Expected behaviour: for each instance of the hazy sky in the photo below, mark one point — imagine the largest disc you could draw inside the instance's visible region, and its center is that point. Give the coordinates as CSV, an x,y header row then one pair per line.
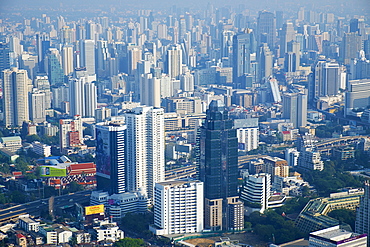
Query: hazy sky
x,y
350,7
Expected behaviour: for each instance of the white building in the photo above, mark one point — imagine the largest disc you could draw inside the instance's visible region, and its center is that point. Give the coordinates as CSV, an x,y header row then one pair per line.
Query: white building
x,y
11,143
15,96
66,128
88,56
145,149
108,231
41,149
37,106
247,133
257,189
291,156
310,159
178,207
118,205
336,237
56,234
83,97
28,224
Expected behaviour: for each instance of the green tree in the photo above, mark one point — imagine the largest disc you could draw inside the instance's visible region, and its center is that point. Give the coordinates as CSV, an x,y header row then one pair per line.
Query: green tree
x,y
129,242
344,215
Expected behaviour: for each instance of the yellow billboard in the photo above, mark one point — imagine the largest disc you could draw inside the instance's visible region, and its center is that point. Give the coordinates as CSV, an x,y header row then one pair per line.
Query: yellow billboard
x,y
96,209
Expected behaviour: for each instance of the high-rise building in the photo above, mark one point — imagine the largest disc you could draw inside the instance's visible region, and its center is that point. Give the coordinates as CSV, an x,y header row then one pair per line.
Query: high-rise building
x,y
295,108
150,90
178,207
266,29
111,169
83,97
241,57
257,189
87,56
15,96
37,106
265,62
287,34
357,95
55,70
350,46
144,149
218,164
4,57
67,59
362,224
174,61
70,133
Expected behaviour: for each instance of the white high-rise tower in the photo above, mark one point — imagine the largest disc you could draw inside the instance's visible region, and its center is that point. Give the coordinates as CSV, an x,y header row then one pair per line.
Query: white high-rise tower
x,y
15,97
144,149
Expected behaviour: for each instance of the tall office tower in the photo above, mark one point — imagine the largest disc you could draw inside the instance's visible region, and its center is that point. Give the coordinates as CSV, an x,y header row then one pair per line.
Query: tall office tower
x,y
77,97
326,79
102,57
295,48
4,57
90,30
357,95
241,57
14,46
162,32
264,59
134,56
257,189
187,82
60,95
144,149
362,224
358,25
350,46
42,46
67,59
295,108
37,106
178,207
218,164
182,28
43,85
70,133
279,19
173,65
367,48
266,29
55,71
111,171
80,32
150,91
91,100
290,62
287,34
15,96
226,40
87,56
83,97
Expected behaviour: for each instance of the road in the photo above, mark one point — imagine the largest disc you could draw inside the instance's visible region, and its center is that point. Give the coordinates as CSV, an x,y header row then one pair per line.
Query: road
x,y
36,207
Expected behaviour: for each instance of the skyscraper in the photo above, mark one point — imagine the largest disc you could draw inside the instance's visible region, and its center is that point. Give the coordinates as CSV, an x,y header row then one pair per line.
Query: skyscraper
x,y
295,108
150,90
37,106
241,57
266,29
15,97
350,46
144,149
218,164
4,57
88,56
67,59
174,61
83,97
55,70
111,169
287,34
362,224
265,62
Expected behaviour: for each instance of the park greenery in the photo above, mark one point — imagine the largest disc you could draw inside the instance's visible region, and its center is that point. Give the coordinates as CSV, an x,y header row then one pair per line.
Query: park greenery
x,y
344,216
332,178
273,227
129,242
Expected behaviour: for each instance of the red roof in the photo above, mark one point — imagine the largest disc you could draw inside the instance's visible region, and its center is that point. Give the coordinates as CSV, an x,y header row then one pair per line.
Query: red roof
x,y
19,235
77,169
286,132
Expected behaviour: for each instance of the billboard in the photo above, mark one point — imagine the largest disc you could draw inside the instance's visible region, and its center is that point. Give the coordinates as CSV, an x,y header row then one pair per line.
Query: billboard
x,y
103,152
50,171
96,209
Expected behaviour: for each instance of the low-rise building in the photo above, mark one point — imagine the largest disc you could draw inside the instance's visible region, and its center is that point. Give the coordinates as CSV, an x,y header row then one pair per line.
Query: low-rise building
x,y
56,234
28,224
41,149
107,231
11,143
337,237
